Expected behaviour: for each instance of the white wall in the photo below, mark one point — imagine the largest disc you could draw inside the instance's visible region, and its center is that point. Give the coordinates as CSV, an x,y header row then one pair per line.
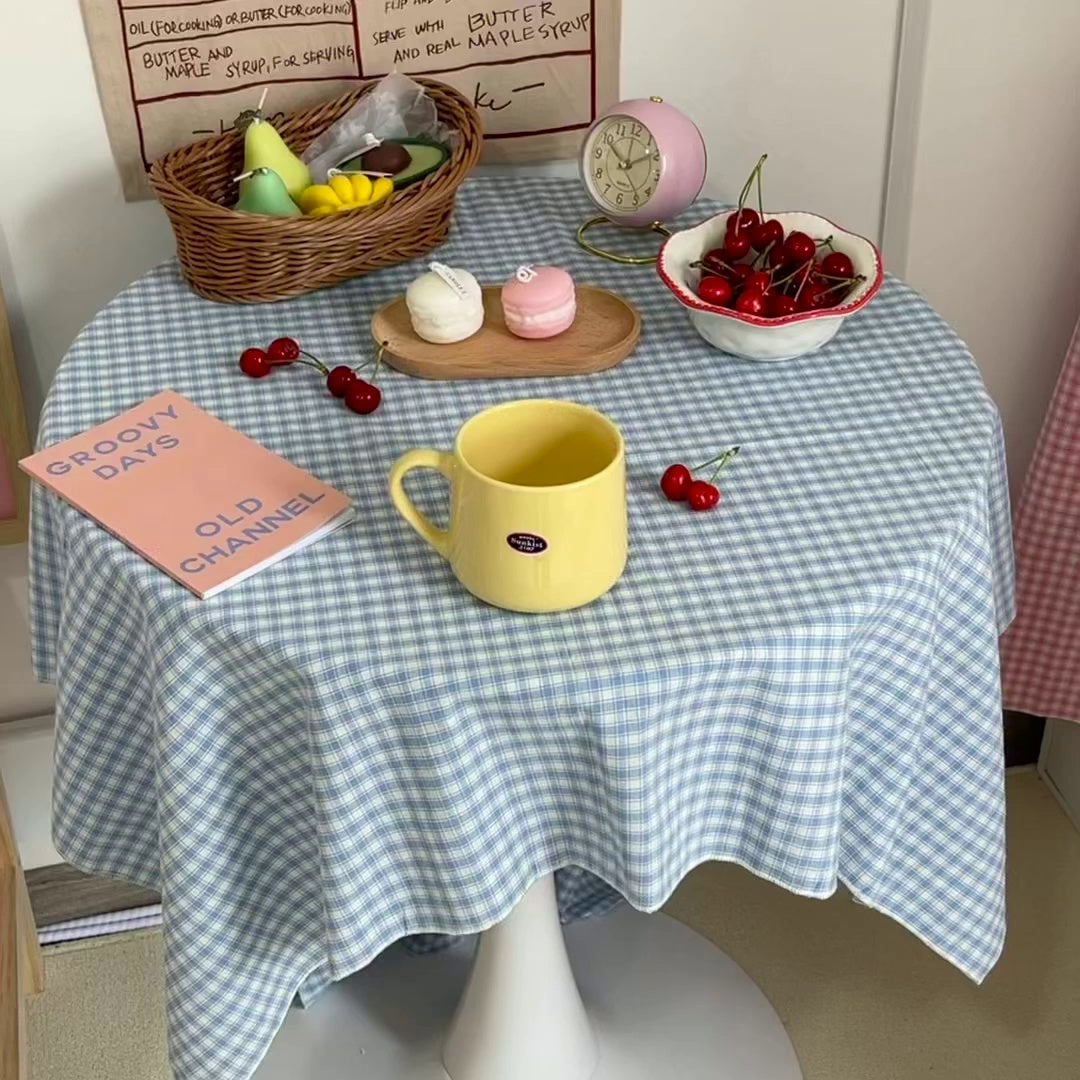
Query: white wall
x,y
25,748
26,751
20,695
68,242
994,234
809,84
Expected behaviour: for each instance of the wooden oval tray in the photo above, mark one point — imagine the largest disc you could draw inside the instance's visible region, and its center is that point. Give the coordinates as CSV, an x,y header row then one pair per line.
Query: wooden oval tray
x,y
605,331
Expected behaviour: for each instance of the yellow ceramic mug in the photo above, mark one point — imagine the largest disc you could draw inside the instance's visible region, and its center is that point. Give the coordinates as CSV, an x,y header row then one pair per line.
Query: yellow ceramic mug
x,y
537,504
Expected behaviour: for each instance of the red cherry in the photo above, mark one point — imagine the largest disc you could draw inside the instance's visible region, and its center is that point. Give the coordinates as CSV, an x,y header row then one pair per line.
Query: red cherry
x,y
766,233
813,297
676,482
799,247
702,495
740,273
742,220
777,305
339,380
837,264
362,396
715,262
716,291
751,302
283,350
736,245
758,281
254,362
776,257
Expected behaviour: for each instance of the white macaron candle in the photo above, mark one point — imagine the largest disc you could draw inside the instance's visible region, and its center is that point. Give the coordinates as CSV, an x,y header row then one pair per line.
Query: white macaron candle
x,y
445,304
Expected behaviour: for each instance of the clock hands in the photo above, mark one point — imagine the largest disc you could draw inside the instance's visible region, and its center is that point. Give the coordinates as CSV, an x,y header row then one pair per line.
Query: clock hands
x,y
615,151
625,164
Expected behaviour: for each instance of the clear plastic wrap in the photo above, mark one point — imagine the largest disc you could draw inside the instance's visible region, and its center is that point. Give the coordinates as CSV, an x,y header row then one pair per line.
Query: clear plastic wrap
x,y
397,108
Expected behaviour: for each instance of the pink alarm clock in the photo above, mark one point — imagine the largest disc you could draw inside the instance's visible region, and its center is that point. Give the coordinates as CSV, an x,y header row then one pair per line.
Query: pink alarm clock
x,y
643,162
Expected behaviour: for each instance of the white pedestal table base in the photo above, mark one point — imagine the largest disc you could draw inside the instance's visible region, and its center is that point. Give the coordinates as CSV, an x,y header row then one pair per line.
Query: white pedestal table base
x,y
663,1002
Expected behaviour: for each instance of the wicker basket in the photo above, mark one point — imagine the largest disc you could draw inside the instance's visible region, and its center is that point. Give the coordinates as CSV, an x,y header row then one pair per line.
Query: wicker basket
x,y
252,259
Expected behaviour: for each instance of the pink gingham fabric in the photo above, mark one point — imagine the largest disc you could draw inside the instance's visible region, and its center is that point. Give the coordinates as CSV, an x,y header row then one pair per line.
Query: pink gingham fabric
x,y
1041,651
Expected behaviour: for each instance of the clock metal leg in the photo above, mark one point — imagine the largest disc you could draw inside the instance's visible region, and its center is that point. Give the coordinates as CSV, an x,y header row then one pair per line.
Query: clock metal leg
x,y
611,256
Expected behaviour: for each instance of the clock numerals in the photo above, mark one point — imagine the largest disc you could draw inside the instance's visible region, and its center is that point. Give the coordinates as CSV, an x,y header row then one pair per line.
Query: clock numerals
x,y
625,165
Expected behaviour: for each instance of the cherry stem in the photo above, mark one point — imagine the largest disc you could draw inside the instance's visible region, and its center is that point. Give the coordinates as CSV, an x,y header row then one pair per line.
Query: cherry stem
x,y
847,282
755,172
742,195
722,460
705,464
806,277
315,362
839,277
827,240
383,346
745,191
764,255
299,360
784,280
760,201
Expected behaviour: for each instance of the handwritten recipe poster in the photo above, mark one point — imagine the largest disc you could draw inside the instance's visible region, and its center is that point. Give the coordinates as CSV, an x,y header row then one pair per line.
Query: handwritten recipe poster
x,y
538,71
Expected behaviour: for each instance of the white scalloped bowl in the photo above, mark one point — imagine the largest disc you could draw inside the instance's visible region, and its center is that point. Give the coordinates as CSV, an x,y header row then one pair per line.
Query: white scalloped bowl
x,y
750,336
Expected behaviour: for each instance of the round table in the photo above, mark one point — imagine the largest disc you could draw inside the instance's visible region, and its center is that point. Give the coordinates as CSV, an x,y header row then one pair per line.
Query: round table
x,y
347,749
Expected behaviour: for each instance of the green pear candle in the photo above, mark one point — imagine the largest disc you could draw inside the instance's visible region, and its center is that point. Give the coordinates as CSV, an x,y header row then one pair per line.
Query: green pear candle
x,y
264,148
262,191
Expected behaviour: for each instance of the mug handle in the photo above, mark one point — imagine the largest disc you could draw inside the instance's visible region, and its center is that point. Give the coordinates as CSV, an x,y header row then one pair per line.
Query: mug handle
x,y
439,539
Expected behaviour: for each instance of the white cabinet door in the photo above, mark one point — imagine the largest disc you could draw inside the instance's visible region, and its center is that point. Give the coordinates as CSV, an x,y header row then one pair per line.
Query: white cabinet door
x,y
1060,764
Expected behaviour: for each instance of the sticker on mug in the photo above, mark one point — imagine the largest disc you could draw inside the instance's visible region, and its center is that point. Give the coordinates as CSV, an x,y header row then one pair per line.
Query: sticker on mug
x,y
527,543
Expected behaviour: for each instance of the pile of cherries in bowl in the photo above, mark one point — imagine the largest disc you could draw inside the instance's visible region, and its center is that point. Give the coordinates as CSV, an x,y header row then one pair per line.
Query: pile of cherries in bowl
x,y
763,272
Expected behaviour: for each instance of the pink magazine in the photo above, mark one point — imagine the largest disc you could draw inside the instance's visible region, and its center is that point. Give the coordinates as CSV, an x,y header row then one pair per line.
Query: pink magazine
x,y
190,494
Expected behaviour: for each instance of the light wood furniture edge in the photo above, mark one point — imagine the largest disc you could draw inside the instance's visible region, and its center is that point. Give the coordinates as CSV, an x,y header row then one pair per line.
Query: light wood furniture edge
x,y
21,970
13,423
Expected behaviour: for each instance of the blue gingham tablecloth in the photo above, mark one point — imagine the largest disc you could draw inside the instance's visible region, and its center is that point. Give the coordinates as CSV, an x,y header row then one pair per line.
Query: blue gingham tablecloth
x,y
348,748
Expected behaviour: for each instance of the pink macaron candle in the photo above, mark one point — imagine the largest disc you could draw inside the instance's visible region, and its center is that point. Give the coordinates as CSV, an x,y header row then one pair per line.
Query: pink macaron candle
x,y
539,301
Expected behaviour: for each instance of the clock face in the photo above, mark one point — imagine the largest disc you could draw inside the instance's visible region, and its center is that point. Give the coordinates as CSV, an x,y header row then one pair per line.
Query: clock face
x,y
621,164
